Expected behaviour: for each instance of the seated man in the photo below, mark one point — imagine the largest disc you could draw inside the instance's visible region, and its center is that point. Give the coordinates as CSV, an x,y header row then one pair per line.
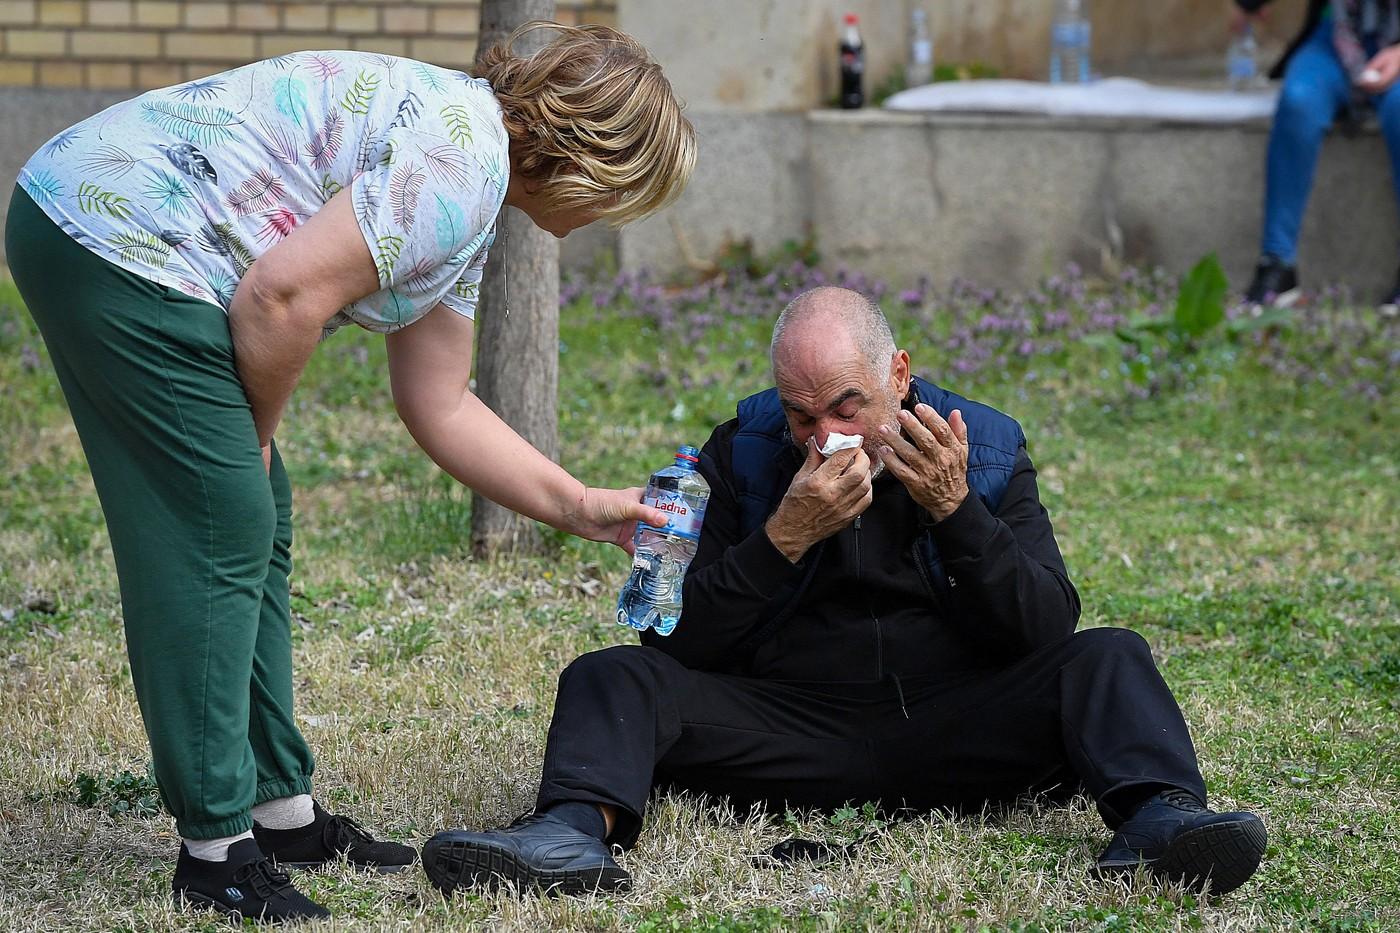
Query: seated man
x,y
893,623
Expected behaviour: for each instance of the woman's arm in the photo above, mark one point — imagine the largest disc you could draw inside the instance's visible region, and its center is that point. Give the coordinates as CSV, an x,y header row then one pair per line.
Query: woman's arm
x,y
429,371
286,297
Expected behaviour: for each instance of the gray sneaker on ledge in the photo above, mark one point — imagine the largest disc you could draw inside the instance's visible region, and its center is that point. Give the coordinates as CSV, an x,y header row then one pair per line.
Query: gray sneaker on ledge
x,y
537,851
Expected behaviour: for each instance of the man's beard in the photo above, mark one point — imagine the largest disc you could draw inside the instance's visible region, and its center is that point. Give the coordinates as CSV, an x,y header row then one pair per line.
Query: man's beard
x,y
877,464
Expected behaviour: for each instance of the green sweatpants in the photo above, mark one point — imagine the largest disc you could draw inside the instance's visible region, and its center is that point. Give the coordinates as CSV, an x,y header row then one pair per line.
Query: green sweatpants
x,y
200,533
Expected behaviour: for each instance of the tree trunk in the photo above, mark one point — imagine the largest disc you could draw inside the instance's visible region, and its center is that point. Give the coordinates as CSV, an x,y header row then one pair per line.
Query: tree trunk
x,y
517,324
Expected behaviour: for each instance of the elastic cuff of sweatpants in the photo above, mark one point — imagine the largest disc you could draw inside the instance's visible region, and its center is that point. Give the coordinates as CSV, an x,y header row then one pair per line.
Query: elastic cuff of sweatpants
x,y
283,787
627,823
219,829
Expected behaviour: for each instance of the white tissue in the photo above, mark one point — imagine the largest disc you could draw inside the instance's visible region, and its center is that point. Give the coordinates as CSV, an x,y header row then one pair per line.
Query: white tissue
x,y
1370,76
835,442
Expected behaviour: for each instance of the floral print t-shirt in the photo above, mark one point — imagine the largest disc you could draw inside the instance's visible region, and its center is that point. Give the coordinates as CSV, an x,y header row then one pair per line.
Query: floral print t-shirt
x,y
188,185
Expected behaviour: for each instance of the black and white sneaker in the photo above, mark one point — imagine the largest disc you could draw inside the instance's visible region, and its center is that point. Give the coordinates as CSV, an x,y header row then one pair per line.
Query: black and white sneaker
x,y
247,886
325,839
537,851
1176,837
1275,284
1390,304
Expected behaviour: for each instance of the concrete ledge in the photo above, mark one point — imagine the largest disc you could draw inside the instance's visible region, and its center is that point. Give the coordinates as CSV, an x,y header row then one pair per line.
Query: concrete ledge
x,y
1005,200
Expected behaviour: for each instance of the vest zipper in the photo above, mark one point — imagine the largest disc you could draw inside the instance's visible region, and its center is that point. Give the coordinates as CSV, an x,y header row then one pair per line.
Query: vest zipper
x,y
879,636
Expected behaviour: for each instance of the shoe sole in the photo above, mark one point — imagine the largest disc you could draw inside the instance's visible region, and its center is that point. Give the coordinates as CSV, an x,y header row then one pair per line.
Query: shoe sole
x,y
1221,856
1286,299
453,865
191,900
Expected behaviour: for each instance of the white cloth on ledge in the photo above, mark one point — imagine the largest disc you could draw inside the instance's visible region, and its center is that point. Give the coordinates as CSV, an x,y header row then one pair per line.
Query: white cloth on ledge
x,y
1107,97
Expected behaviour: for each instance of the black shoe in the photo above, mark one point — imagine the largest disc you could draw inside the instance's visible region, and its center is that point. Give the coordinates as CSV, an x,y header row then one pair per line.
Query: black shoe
x,y
325,839
248,886
1176,837
1275,284
536,851
1390,304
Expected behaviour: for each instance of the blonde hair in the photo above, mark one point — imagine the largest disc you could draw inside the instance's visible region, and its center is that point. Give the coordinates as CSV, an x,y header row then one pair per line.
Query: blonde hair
x,y
592,121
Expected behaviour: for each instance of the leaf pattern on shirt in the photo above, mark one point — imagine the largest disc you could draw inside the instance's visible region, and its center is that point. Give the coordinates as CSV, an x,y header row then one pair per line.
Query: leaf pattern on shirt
x,y
169,191
277,224
459,124
139,246
448,165
93,199
277,142
325,144
289,96
361,94
261,191
324,66
108,161
42,186
407,111
194,123
428,75
328,188
403,193
451,223
203,89
386,254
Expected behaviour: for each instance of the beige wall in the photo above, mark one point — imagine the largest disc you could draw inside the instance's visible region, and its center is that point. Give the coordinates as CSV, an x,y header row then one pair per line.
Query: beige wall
x,y
141,44
766,55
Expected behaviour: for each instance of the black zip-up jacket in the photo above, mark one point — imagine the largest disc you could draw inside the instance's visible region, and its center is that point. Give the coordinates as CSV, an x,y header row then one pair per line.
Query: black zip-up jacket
x,y
868,613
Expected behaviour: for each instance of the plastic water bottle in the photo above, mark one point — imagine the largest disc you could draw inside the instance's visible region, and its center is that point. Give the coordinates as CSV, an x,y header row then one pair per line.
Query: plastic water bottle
x,y
1242,60
651,597
1069,43
918,66
852,52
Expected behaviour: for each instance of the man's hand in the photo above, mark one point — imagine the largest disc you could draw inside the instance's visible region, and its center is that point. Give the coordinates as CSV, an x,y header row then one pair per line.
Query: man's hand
x,y
1381,71
825,496
932,464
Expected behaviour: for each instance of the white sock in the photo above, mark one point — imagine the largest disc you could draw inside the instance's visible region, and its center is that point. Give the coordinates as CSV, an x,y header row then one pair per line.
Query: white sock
x,y
214,850
285,812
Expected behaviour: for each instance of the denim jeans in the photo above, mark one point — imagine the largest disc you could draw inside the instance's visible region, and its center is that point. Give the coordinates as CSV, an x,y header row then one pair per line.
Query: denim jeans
x,y
1315,89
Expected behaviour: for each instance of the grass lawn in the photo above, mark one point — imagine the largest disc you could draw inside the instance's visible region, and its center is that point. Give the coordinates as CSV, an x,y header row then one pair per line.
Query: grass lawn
x,y
1237,504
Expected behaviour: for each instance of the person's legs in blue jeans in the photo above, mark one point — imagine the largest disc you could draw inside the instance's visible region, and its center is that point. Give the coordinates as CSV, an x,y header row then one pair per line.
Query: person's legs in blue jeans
x,y
1388,113
1315,88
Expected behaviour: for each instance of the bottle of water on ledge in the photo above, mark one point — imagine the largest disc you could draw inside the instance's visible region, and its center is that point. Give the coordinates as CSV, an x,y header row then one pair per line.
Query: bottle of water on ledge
x,y
1242,60
1069,43
651,597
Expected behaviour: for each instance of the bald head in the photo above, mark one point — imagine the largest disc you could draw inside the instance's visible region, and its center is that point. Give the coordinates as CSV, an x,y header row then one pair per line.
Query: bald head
x,y
831,322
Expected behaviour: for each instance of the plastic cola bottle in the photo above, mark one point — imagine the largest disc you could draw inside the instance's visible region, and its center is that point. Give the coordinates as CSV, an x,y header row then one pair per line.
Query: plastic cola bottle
x,y
852,52
651,597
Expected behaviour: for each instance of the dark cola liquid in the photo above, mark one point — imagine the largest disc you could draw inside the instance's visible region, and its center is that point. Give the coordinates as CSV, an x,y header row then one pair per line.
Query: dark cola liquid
x,y
852,75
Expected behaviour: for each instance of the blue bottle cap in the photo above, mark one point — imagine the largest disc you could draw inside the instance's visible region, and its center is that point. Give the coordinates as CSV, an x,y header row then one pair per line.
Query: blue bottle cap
x,y
688,454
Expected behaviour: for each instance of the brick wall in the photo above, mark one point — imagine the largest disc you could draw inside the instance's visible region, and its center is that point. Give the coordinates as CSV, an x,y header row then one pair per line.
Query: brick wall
x,y
142,44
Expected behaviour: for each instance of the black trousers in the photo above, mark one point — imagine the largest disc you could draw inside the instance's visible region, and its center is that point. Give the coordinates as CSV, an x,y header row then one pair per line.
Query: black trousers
x,y
1088,712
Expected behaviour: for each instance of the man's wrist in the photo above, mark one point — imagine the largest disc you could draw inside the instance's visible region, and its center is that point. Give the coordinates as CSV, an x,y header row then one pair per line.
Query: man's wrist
x,y
790,546
945,506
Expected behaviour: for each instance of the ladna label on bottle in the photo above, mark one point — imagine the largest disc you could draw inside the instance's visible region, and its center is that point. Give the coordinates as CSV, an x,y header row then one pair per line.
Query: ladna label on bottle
x,y
682,520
